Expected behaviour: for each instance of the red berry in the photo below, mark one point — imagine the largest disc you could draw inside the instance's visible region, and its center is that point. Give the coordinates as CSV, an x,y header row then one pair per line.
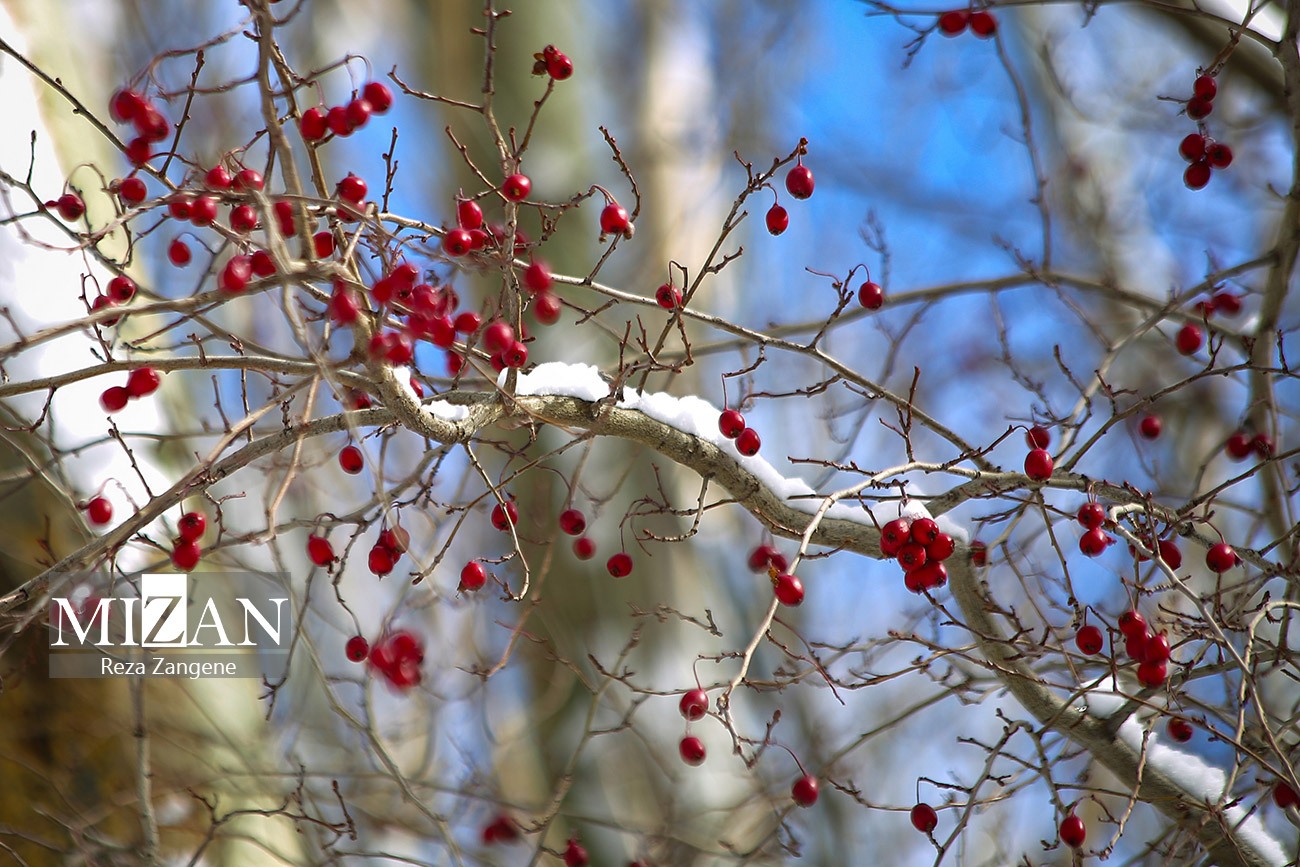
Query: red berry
x,y
762,556
1170,554
1152,674
357,648
1239,446
243,219
691,750
911,556
505,516
178,253
573,522
353,189
191,526
359,111
99,510
516,355
748,442
1039,465
456,242
1192,147
537,277
203,210
871,296
469,215
1220,558
1131,624
584,548
378,95
218,178
614,220
1197,175
1091,515
1179,729
804,791
1226,303
1094,542
940,549
982,24
559,66
620,565
337,120
319,550
894,535
1073,831
1156,648
731,423
1190,338
473,576
132,190
1150,426
546,307
575,855
1263,445
312,124
114,398
1205,87
668,296
923,531
100,303
70,207
381,560
138,151
323,244
150,124
778,219
121,289
1199,107
789,590
694,704
1285,796
979,553
235,276
498,337
516,187
924,819
142,381
350,460
1038,437
952,24
468,322
1218,155
125,105
799,182
185,555
1089,639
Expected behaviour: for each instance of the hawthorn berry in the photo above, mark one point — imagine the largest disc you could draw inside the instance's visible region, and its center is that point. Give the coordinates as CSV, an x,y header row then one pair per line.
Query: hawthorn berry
x,y
357,649
142,382
1199,107
138,151
911,556
191,526
353,189
1218,155
121,289
748,442
668,296
924,818
559,66
584,548
1192,147
1072,831
871,296
337,120
114,398
789,590
731,423
350,459
1131,624
1152,674
620,565
979,553
319,550
940,549
694,704
953,24
505,516
125,105
473,576
546,307
381,560
537,277
1220,558
778,219
1189,339
1285,796
1089,639
929,575
243,219
456,243
799,182
358,112
1169,552
1205,87
804,791
99,510
573,522
1038,437
498,336
574,854
203,210
70,207
185,554
312,125
1094,542
1039,465
982,24
516,355
923,531
1239,445
691,749
1179,729
100,303
614,220
1263,446
1150,426
766,557
1091,515
398,656
178,253
516,187
1226,303
1156,648
1197,175
132,190
235,276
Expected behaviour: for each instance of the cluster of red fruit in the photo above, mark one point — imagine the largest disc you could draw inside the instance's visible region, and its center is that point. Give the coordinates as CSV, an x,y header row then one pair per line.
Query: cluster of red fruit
x,y
141,382
798,183
1038,463
389,547
128,106
397,656
919,547
1150,650
980,22
185,548
343,120
732,426
553,62
1240,445
1091,517
1203,152
120,290
787,587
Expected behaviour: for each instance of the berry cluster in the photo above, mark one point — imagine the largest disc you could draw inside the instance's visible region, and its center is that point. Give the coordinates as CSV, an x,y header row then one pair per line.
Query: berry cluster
x,y
798,183
920,548
732,426
1091,516
553,62
1150,650
185,548
120,290
1241,445
388,549
397,656
574,523
141,382
343,120
1202,152
128,106
1038,463
980,22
